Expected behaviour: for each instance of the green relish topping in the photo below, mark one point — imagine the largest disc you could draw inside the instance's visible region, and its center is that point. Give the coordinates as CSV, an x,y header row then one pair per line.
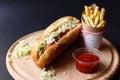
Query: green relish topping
x,y
55,35
47,75
41,48
22,48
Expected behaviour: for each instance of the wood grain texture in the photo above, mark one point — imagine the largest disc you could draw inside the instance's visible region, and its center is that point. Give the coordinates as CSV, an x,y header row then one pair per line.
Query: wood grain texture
x,y
25,69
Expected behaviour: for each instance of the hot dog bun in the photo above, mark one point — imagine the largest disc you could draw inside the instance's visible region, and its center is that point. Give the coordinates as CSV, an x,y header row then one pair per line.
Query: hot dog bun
x,y
50,53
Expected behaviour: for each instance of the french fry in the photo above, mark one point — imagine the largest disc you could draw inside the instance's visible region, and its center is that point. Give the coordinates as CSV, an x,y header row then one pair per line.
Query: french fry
x,y
91,12
87,12
103,11
101,24
92,17
101,17
98,15
85,19
96,20
90,21
96,10
89,7
102,14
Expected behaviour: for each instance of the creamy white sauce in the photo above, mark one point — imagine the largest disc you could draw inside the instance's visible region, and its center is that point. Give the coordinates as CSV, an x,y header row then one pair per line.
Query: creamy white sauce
x,y
67,25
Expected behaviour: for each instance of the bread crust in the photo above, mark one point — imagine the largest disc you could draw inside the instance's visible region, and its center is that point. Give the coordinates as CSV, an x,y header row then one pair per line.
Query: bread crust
x,y
54,50
55,25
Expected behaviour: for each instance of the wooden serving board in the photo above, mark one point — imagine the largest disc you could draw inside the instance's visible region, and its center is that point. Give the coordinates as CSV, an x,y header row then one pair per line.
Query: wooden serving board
x,y
25,69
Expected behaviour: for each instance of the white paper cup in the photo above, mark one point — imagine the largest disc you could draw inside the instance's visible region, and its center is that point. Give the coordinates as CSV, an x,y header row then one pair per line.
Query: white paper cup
x,y
92,40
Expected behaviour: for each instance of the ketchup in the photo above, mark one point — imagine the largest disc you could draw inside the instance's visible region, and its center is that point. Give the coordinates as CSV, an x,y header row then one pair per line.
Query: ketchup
x,y
48,45
63,33
87,62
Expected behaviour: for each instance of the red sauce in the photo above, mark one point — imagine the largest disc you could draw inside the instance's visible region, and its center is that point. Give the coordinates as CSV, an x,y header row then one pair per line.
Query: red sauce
x,y
87,62
48,45
63,33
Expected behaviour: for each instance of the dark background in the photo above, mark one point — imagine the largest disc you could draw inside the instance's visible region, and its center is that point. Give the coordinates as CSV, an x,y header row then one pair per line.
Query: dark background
x,y
18,18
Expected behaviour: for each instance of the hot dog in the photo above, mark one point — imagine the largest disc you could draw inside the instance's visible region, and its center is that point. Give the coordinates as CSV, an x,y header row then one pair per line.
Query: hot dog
x,y
56,38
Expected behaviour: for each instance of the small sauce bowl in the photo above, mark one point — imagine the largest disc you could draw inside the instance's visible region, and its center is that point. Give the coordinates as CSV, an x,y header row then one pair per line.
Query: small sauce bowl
x,y
87,59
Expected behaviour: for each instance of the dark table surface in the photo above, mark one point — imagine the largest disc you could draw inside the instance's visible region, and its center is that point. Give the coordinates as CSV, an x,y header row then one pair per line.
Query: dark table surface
x,y
18,18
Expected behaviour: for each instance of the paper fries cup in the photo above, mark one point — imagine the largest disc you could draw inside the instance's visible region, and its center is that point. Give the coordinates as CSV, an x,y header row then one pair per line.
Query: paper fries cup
x,y
92,40
93,26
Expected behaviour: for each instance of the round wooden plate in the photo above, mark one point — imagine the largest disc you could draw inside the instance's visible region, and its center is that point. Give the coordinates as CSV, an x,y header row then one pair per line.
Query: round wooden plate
x,y
25,69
